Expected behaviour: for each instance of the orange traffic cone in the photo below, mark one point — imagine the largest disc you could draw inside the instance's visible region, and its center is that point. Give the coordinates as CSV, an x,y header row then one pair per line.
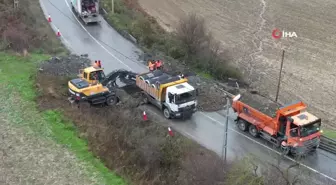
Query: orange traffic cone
x,y
170,132
145,116
49,18
58,33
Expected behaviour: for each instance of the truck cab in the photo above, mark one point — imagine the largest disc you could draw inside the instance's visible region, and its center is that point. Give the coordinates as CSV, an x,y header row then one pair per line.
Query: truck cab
x,y
92,75
300,132
181,100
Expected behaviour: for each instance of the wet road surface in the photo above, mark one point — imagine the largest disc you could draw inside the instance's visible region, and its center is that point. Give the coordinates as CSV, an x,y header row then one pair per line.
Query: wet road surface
x,y
102,42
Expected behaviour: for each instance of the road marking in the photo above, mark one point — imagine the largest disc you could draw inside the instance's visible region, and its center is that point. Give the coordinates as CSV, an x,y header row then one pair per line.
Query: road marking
x,y
269,148
121,62
326,176
54,27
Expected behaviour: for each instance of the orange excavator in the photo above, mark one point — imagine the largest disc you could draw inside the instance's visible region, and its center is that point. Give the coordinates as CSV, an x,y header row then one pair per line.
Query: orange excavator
x,y
293,129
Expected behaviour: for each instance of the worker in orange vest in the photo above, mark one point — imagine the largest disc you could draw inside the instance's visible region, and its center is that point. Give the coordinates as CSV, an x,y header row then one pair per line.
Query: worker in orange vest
x,y
158,64
151,66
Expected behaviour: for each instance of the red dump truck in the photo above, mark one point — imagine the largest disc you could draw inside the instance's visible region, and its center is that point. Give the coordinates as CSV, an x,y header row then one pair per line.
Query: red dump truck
x,y
293,129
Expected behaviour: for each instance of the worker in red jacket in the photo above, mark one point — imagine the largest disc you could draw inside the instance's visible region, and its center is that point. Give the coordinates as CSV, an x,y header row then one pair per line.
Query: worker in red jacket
x,y
158,65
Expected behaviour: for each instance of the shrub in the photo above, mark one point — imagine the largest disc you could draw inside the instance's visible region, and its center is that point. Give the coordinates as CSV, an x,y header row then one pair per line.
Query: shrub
x,y
202,50
25,28
143,31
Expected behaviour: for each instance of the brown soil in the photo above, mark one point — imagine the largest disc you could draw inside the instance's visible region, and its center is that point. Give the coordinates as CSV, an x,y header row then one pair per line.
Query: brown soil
x,y
139,150
244,29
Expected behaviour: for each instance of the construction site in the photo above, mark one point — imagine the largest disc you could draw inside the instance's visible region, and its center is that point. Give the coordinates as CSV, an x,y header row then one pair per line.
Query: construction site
x,y
95,112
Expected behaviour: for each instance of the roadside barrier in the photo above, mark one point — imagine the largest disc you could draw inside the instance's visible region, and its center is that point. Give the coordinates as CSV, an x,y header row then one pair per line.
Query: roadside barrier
x,y
328,145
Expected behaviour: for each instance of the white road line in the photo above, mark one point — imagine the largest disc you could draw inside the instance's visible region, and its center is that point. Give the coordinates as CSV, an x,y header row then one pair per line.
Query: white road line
x,y
330,178
121,62
54,27
269,148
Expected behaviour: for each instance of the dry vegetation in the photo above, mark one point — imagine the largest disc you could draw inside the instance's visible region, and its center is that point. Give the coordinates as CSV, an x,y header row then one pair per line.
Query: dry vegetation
x,y
27,154
25,28
244,29
192,45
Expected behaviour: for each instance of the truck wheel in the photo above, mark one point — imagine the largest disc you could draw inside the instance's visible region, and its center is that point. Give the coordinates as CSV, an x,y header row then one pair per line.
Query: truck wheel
x,y
285,150
111,100
166,113
253,131
242,125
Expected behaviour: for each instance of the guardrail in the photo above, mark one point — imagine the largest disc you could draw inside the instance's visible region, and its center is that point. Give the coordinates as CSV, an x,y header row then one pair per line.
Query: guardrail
x,y
328,144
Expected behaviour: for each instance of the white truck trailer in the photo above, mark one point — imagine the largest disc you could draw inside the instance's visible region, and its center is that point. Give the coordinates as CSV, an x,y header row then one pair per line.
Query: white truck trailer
x,y
87,10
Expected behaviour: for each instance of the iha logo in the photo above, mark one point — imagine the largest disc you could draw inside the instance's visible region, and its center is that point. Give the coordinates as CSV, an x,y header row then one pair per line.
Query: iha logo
x,y
277,34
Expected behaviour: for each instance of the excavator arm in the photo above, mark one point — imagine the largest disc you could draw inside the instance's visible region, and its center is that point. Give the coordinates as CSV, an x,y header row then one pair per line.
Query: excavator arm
x,y
126,77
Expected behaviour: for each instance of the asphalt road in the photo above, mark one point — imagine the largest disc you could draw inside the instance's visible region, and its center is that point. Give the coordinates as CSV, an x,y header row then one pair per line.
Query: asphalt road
x,y
102,42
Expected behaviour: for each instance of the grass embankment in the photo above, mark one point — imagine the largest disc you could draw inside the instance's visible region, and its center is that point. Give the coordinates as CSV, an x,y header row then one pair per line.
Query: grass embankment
x,y
330,134
18,97
191,44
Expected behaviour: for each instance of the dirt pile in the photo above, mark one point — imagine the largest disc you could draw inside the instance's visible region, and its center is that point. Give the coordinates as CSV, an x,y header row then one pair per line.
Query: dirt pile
x,y
65,66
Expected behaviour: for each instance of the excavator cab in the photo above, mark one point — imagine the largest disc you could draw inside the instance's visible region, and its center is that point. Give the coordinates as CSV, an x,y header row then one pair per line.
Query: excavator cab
x,y
92,75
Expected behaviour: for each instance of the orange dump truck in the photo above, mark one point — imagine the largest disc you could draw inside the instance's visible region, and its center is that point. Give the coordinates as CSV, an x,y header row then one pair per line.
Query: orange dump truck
x,y
293,129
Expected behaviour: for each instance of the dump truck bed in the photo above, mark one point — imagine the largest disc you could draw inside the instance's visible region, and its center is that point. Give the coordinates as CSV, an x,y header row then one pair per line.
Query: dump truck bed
x,y
155,83
260,103
255,117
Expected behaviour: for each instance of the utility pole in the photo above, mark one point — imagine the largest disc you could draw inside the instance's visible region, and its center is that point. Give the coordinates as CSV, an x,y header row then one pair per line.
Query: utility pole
x,y
112,2
279,80
225,137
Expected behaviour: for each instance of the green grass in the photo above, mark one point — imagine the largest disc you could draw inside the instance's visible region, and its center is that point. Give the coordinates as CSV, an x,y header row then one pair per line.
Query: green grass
x,y
18,101
330,134
205,75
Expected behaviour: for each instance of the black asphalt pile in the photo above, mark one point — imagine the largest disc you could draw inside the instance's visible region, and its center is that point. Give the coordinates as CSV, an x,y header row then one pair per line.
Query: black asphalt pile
x,y
64,66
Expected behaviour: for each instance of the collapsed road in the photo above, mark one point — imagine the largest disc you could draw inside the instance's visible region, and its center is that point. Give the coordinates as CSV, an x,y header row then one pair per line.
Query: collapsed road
x,y
205,128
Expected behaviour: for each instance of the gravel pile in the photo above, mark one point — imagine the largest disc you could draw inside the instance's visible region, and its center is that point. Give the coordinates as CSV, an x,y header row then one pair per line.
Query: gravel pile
x,y
64,66
210,97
